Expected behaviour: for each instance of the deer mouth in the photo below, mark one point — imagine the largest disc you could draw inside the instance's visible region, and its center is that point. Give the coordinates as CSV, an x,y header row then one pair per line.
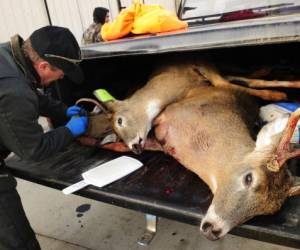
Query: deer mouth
x,y
213,227
138,147
210,232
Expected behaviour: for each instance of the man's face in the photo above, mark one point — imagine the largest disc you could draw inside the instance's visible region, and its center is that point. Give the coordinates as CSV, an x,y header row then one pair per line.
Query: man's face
x,y
47,72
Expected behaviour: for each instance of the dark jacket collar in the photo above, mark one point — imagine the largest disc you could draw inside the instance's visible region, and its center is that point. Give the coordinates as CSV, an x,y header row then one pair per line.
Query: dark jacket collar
x,y
23,62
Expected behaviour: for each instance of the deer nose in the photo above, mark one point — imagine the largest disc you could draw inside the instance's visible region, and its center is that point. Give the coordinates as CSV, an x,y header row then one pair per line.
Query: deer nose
x,y
209,231
137,148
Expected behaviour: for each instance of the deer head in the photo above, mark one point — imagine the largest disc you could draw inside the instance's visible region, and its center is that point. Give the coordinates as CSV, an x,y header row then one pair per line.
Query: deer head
x,y
261,183
131,124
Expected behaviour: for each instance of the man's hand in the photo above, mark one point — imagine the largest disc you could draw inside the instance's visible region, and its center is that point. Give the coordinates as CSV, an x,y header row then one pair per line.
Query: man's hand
x,y
76,110
78,125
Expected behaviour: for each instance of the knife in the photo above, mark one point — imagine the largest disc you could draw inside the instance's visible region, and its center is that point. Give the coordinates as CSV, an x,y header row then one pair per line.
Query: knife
x,y
106,173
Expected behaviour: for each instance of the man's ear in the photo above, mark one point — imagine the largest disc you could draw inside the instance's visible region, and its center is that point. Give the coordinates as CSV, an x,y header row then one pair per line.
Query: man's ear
x,y
41,65
44,65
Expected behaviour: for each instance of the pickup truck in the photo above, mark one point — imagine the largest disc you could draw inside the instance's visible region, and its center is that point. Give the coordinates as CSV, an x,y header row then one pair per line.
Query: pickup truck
x,y
162,187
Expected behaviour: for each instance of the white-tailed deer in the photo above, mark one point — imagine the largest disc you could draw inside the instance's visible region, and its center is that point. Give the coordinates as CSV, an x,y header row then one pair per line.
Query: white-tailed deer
x,y
99,121
210,133
133,117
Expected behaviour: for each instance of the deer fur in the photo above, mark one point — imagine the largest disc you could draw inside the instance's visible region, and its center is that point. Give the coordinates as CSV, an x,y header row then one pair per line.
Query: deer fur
x,y
132,118
210,132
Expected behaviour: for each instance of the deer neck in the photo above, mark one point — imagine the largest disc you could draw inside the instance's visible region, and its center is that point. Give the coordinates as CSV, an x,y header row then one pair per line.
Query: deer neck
x,y
213,172
153,108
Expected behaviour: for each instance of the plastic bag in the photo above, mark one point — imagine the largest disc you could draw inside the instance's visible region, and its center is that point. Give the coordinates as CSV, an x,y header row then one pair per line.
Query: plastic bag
x,y
141,19
276,116
272,111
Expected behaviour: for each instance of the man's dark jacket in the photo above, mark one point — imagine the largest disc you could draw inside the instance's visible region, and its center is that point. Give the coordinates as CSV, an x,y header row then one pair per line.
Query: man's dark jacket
x,y
21,105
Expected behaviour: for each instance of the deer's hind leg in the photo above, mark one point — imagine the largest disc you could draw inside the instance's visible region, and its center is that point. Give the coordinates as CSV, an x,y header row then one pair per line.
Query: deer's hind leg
x,y
258,83
211,73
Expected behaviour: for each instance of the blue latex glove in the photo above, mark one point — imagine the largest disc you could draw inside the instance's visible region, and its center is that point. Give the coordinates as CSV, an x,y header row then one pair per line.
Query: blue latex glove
x,y
78,125
76,110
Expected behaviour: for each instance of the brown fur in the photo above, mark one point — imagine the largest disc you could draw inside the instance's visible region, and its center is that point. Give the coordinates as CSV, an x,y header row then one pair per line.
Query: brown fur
x,y
169,83
209,130
210,133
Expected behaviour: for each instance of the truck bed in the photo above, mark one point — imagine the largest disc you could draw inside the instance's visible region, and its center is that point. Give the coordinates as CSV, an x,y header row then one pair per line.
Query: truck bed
x,y
161,187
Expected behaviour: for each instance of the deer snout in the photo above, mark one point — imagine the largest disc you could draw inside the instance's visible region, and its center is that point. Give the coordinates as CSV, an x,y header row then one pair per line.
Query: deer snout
x,y
210,231
137,148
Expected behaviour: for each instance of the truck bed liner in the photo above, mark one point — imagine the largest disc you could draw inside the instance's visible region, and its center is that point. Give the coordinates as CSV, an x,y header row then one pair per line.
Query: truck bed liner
x,y
161,187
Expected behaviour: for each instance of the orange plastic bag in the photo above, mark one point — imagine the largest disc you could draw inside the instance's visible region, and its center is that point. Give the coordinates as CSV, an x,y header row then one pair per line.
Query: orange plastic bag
x,y
155,19
140,19
120,27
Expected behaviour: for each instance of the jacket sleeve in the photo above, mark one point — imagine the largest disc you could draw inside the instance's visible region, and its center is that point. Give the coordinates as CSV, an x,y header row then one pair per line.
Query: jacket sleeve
x,y
54,109
20,131
87,36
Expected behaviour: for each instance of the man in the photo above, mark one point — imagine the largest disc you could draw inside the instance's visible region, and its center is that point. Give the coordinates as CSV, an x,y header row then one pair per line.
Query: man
x,y
49,54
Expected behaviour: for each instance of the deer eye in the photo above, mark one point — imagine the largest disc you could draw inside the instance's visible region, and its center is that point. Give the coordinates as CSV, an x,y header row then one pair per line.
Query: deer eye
x,y
248,179
120,121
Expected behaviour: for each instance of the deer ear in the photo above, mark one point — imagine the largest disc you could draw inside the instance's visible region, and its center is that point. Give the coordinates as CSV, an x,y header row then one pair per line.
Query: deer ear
x,y
113,105
295,189
106,99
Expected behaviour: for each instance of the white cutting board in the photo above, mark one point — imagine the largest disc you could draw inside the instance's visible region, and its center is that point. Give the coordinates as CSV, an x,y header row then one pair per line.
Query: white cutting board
x,y
106,173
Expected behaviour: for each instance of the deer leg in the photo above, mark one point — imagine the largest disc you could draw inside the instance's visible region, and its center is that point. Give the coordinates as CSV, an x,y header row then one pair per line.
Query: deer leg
x,y
258,83
283,151
151,145
269,95
211,73
116,146
295,189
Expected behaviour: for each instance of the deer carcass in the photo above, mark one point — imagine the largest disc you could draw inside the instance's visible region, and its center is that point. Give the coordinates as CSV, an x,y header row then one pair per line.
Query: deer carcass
x,y
132,118
210,133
